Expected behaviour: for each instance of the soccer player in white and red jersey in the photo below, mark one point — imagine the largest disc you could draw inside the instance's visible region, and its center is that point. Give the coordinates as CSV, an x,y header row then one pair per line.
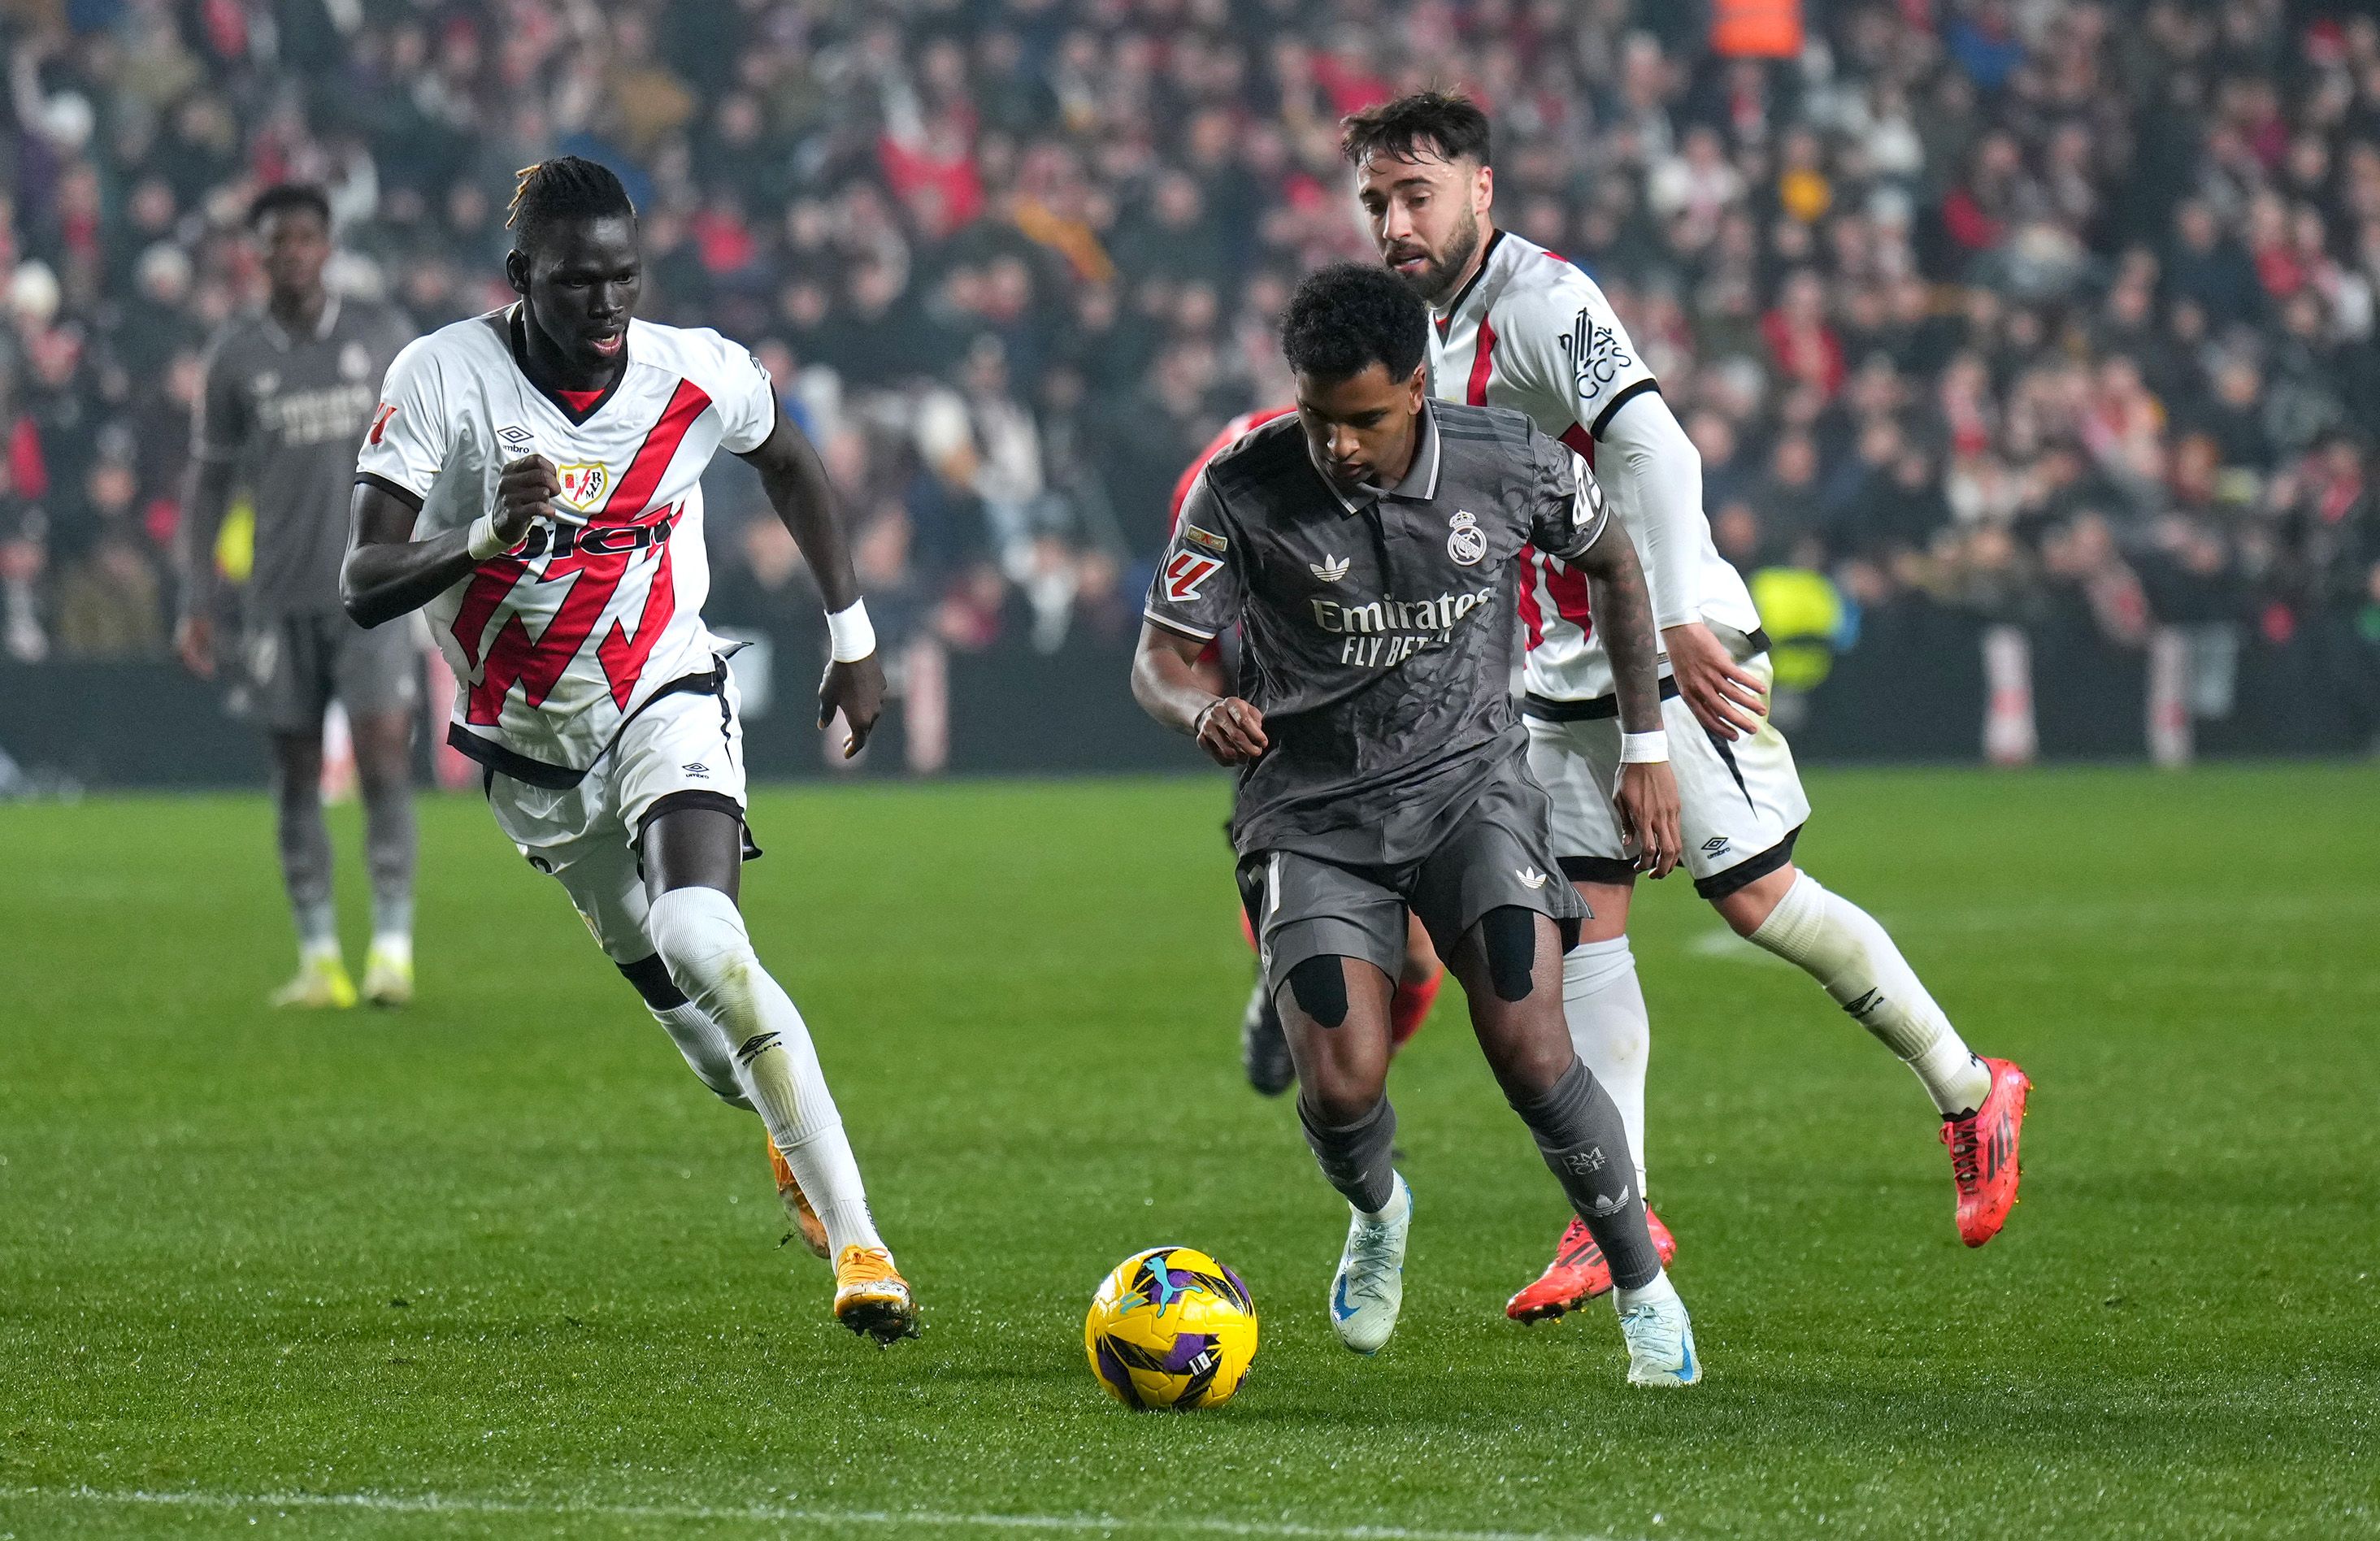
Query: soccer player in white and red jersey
x,y
1264,1047
531,481
1515,325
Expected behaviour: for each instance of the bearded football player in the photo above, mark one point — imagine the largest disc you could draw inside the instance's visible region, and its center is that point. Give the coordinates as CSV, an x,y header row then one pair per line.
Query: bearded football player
x,y
532,482
1367,550
1514,326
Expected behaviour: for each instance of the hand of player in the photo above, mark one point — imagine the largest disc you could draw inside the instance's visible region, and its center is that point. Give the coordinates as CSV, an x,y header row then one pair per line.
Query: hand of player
x,y
1231,731
1646,798
1724,697
194,644
857,690
525,493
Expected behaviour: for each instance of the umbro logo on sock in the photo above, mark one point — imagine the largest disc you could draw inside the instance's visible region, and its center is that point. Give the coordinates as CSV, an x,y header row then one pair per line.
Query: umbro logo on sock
x,y
756,1046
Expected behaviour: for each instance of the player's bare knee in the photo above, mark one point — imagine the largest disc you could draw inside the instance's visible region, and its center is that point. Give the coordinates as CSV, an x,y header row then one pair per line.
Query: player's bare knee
x,y
1508,938
651,978
1319,987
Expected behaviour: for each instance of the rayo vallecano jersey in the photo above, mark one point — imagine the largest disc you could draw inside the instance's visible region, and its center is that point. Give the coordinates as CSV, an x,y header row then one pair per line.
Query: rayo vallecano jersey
x,y
1532,332
555,642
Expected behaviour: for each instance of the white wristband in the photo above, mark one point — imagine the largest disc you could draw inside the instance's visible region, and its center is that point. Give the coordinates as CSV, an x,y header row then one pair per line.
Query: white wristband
x,y
483,542
849,635
1645,748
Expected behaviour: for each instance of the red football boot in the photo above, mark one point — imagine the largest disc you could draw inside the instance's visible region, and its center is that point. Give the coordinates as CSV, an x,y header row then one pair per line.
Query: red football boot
x,y
1983,1153
1578,1273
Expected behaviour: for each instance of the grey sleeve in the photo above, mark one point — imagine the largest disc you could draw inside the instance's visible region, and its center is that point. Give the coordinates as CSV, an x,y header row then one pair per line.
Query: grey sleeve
x,y
222,426
1197,589
1566,508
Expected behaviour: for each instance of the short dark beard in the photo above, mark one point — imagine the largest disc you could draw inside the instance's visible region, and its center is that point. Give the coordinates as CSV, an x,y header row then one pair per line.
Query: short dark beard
x,y
1436,284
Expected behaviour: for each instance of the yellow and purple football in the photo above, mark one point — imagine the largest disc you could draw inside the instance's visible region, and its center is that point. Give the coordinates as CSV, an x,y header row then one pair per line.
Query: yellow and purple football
x,y
1172,1328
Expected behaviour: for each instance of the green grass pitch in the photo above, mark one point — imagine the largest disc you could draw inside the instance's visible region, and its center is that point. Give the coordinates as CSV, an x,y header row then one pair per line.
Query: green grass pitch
x,y
500,1267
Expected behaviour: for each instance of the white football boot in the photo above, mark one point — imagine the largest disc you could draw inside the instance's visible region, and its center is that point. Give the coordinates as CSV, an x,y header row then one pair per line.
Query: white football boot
x,y
1660,1339
1369,1288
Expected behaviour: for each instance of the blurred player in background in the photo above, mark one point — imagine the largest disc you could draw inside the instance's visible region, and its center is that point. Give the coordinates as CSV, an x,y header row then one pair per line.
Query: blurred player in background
x,y
1264,1049
533,481
1517,326
287,395
1369,551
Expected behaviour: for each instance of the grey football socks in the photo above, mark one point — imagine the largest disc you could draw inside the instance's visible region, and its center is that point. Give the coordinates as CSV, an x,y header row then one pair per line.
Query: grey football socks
x,y
1584,1142
1355,1157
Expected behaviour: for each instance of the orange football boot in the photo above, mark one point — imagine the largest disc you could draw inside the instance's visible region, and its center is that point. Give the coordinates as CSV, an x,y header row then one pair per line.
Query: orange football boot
x,y
870,1296
1578,1272
1984,1153
797,1202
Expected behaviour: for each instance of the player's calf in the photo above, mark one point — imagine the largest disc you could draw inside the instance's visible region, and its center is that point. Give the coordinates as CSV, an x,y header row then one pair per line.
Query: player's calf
x,y
700,938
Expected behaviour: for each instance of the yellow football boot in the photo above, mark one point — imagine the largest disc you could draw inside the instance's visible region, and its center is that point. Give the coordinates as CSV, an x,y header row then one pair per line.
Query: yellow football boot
x,y
870,1296
388,976
797,1204
322,984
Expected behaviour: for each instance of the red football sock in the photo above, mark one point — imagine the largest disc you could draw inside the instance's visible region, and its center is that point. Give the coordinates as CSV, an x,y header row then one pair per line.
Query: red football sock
x,y
1409,1006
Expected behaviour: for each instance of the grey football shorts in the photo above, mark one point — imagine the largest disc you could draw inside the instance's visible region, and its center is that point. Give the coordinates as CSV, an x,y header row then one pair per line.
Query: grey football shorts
x,y
297,664
1501,853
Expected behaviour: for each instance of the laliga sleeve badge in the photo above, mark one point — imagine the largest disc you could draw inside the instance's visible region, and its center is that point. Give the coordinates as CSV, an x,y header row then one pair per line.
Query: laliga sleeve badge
x,y
1464,541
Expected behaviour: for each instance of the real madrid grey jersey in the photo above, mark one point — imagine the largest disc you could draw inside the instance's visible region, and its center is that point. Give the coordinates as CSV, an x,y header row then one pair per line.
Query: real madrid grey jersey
x,y
1377,626
291,410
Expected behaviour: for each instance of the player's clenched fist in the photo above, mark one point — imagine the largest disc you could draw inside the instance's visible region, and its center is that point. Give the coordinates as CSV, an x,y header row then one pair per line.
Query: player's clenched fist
x,y
525,493
1231,731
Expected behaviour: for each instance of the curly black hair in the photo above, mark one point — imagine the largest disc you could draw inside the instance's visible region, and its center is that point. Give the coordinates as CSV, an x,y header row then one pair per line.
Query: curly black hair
x,y
1446,123
1349,316
288,195
566,187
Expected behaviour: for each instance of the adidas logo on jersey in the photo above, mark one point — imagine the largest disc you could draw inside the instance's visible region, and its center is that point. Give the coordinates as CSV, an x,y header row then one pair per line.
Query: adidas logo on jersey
x,y
1330,569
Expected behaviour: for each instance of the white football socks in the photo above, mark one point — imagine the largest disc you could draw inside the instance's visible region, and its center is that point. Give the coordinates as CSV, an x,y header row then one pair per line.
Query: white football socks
x,y
707,1052
1604,1004
701,940
1841,945
1660,1289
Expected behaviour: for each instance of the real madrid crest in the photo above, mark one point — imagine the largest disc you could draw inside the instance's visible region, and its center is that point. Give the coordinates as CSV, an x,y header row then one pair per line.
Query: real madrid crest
x,y
1463,541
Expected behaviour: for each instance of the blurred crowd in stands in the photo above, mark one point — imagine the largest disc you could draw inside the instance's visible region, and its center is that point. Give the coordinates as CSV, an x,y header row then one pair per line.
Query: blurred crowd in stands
x,y
2001,304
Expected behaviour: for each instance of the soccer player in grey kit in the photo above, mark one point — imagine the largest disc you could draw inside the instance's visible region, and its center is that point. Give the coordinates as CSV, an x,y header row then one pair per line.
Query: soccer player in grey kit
x,y
1369,549
288,395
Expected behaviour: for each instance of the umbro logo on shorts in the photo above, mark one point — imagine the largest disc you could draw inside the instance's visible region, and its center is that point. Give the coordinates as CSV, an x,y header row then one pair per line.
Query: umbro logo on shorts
x,y
1714,845
698,771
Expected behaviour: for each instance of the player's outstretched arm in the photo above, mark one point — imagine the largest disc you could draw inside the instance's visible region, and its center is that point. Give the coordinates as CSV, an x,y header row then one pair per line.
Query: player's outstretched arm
x,y
1169,683
387,572
796,483
1647,793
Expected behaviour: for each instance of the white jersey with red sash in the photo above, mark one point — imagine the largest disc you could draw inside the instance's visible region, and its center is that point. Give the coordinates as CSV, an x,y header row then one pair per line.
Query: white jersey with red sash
x,y
1533,333
557,642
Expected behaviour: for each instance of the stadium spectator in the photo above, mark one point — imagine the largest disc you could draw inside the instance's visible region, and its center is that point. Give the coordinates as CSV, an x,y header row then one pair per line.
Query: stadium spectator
x,y
1927,295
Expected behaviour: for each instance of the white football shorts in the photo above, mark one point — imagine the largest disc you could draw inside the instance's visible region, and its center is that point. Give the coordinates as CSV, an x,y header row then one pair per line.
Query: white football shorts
x,y
683,749
1741,802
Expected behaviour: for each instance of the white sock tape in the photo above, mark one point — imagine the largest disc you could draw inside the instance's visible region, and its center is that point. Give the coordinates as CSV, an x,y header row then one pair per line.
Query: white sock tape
x,y
850,637
1645,748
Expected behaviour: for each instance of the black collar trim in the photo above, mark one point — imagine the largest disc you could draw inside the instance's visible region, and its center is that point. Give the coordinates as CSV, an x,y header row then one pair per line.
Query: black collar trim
x,y
516,338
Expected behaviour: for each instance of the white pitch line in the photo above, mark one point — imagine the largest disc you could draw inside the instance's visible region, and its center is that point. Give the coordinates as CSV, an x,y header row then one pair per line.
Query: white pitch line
x,y
432,1503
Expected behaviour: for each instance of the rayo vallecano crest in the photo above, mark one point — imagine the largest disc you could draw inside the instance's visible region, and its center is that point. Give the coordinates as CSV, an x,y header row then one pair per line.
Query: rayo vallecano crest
x,y
583,485
1463,541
